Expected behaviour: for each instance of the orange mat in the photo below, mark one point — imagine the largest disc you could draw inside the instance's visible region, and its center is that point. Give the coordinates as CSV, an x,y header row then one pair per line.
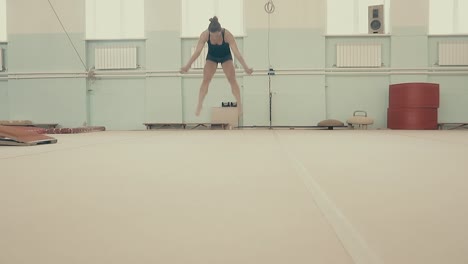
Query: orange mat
x,y
18,136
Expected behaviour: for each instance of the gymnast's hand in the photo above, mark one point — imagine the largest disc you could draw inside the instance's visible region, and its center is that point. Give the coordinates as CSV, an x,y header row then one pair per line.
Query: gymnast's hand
x,y
249,71
184,69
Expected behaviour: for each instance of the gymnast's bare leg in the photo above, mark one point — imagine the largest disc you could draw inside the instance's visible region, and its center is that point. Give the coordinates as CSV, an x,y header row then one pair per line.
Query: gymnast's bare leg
x,y
230,72
208,72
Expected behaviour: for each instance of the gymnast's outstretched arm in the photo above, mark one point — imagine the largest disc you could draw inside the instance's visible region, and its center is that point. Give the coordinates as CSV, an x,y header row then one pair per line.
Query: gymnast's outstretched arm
x,y
201,43
229,38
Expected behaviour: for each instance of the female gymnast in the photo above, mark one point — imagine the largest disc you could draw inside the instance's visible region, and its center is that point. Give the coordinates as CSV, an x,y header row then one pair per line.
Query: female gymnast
x,y
220,43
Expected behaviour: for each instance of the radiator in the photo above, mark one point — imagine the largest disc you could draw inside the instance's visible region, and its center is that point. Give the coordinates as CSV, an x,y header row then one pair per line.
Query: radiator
x,y
453,53
199,63
113,58
1,59
358,55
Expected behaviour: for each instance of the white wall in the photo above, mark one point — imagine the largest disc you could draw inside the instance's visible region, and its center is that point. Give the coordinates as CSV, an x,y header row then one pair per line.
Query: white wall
x,y
288,14
33,16
163,15
410,13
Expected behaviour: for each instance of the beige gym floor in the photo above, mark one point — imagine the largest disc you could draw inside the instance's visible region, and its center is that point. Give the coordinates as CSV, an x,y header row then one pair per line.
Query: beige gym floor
x,y
240,196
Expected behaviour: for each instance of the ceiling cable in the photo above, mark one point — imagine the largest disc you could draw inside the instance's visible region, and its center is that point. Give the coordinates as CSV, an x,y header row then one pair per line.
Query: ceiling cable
x,y
63,27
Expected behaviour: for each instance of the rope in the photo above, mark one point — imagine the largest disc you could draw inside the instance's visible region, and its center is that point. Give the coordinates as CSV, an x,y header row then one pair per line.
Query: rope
x,y
270,9
63,27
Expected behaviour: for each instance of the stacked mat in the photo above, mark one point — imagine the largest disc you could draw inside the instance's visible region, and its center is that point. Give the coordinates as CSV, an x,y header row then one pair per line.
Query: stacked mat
x,y
74,130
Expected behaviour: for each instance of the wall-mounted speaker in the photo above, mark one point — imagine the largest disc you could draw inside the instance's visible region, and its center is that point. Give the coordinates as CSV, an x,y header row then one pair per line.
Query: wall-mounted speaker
x,y
376,19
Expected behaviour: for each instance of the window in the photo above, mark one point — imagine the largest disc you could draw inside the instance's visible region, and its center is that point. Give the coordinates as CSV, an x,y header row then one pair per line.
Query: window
x,y
115,19
3,21
351,16
195,15
448,17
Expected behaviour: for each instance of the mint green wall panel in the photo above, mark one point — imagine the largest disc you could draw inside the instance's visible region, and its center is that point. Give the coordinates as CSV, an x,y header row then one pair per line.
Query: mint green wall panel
x,y
408,78
256,49
163,100
118,104
163,50
256,101
298,100
289,48
348,94
61,101
453,98
45,53
409,31
409,52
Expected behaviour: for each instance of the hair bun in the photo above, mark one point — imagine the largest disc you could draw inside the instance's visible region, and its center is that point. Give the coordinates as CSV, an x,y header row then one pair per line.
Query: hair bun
x,y
214,25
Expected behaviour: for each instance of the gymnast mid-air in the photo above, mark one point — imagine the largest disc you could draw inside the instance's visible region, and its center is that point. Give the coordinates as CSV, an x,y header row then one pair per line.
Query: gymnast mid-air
x,y
220,43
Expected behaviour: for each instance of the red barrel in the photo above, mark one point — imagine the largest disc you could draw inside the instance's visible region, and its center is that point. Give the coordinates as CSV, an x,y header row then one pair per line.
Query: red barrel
x,y
414,95
413,106
412,118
